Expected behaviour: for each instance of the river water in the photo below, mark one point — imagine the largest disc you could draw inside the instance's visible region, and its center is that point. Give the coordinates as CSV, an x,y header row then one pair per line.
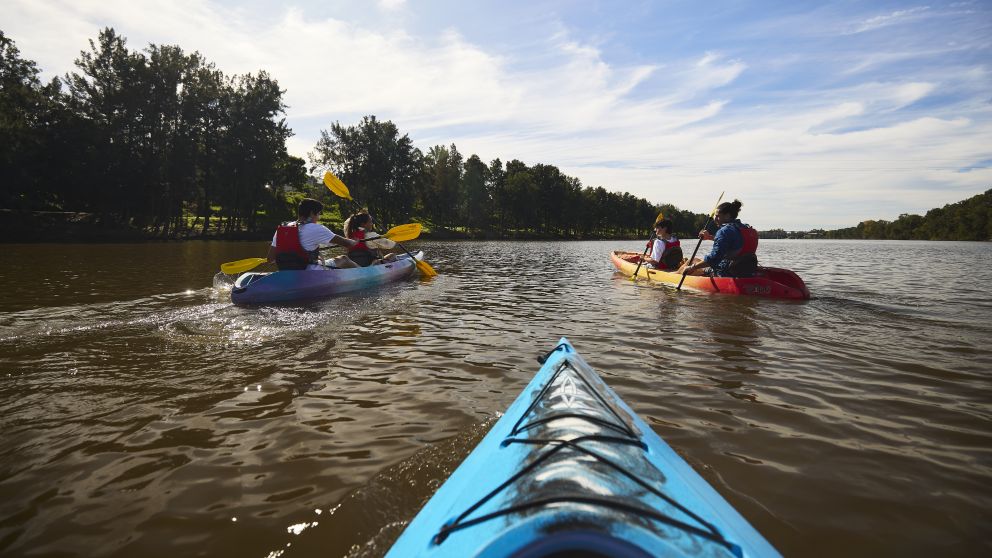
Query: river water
x,y
144,415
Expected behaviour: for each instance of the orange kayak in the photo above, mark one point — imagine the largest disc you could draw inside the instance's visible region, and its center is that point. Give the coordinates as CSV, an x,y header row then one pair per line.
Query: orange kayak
x,y
769,282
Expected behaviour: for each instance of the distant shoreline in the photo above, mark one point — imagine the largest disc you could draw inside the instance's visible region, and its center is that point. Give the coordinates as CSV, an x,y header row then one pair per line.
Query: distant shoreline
x,y
38,227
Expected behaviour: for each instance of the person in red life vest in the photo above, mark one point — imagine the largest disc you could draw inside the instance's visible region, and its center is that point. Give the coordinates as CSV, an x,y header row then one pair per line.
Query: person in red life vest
x,y
733,246
666,252
295,244
359,228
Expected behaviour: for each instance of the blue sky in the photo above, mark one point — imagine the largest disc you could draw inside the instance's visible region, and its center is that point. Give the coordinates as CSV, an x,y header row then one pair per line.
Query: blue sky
x,y
814,115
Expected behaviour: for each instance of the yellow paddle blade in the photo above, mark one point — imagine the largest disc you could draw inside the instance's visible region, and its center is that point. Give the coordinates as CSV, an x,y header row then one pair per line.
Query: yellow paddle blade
x,y
717,206
240,266
660,218
335,185
425,269
402,233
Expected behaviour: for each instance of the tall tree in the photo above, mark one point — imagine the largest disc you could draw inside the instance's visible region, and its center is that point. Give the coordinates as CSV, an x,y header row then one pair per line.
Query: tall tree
x,y
22,101
441,190
477,199
380,166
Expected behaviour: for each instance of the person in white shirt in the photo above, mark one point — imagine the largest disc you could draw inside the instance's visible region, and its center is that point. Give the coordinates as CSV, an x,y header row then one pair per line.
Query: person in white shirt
x,y
295,244
666,253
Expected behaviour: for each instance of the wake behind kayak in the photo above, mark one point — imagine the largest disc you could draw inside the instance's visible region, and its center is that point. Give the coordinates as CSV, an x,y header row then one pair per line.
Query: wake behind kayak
x,y
568,470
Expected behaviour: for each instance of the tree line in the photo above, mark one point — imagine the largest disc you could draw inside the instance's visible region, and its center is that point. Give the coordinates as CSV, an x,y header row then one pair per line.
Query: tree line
x,y
965,220
467,196
159,140
162,142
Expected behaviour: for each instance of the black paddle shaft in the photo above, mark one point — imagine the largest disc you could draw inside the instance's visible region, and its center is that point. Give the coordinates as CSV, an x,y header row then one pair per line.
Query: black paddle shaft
x,y
693,256
639,262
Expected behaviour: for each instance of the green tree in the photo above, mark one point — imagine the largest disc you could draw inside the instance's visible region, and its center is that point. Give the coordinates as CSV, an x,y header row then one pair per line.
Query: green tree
x,y
26,114
477,199
380,166
441,193
496,186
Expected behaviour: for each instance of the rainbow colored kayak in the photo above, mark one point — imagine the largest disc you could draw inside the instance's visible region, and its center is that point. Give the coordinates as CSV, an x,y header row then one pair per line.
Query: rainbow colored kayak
x,y
571,470
298,286
769,282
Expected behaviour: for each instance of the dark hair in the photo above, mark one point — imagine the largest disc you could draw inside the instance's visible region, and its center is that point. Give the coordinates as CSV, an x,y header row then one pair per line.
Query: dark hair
x,y
307,207
359,219
733,208
667,223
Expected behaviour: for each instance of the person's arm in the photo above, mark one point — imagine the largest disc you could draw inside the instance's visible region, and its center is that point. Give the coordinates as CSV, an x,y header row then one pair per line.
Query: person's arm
x,y
715,255
657,250
342,241
327,236
271,256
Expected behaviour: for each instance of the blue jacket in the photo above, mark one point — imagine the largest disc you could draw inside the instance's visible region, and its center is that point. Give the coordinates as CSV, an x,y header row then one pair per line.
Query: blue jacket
x,y
726,242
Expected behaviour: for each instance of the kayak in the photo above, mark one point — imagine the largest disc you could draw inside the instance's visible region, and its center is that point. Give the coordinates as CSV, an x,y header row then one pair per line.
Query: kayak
x,y
311,284
570,470
771,282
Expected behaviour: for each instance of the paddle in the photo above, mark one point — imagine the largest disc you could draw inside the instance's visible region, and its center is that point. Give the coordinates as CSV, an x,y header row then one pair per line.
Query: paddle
x,y
335,185
397,234
402,233
650,238
338,188
234,268
693,256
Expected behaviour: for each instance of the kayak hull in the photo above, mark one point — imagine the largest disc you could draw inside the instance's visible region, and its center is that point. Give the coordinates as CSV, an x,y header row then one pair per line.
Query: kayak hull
x,y
571,468
297,286
769,282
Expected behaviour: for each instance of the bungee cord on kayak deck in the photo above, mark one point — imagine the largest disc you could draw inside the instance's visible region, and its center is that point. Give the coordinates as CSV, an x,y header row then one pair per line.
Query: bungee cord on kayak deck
x,y
575,444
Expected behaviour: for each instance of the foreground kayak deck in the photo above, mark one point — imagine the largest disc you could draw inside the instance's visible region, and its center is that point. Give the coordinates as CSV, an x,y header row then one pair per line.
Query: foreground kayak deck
x,y
570,468
771,282
295,286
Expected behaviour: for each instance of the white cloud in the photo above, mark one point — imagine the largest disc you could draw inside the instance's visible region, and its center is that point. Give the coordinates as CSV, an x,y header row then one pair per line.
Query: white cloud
x,y
391,5
885,20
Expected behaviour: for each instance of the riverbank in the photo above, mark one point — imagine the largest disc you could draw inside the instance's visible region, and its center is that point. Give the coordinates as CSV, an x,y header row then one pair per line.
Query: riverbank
x,y
77,227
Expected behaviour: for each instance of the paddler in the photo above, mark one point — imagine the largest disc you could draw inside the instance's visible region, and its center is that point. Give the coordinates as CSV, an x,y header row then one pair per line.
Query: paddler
x,y
666,252
359,227
295,244
733,246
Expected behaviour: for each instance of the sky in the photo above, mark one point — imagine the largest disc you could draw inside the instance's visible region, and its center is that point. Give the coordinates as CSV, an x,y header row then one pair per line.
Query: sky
x,y
814,115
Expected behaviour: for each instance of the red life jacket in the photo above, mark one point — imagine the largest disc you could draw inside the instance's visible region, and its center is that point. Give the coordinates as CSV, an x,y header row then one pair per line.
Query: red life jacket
x,y
670,258
288,242
360,253
359,235
750,237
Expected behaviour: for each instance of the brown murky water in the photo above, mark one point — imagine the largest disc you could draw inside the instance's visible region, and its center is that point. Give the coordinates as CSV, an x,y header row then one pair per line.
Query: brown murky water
x,y
143,415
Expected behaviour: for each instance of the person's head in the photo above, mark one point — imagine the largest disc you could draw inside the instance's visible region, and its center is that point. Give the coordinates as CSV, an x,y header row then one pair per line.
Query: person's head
x,y
727,211
309,209
362,219
663,227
